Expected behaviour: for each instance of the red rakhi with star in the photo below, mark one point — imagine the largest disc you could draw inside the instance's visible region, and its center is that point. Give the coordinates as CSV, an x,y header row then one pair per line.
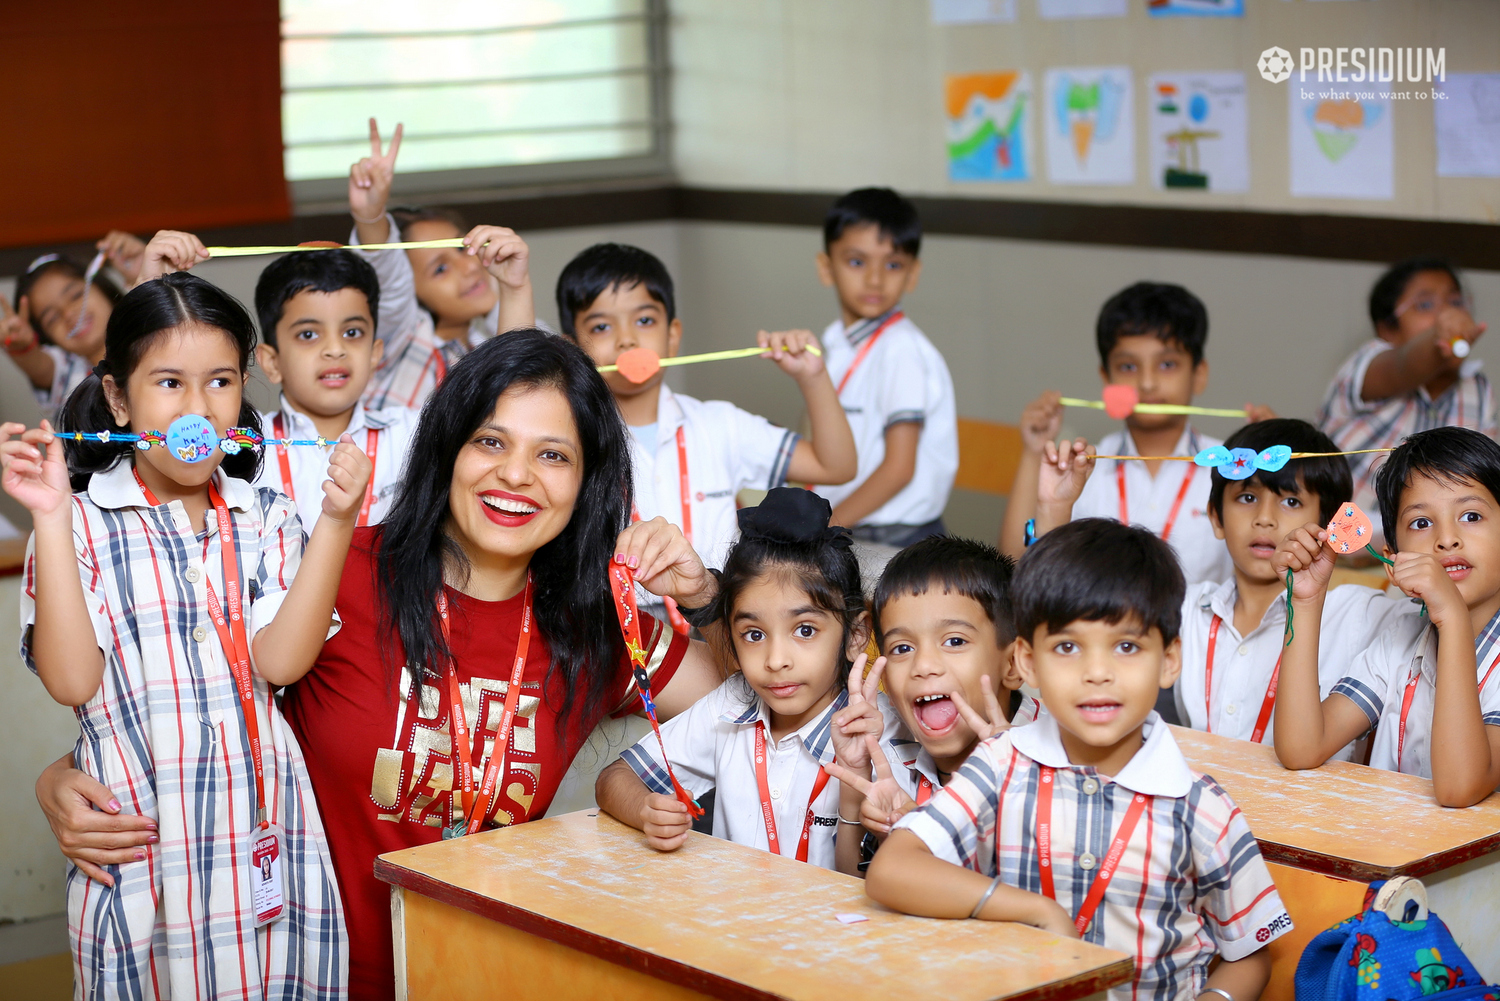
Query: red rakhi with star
x,y
622,584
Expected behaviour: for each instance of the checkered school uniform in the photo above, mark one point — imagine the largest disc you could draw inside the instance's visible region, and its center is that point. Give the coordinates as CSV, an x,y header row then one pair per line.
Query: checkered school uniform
x,y
1355,423
416,360
1191,883
727,449
910,763
1149,501
394,428
902,380
712,746
1378,678
165,732
68,370
1354,616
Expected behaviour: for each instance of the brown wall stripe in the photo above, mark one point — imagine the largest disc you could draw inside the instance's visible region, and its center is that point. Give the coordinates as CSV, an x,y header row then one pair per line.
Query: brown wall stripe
x,y
1338,237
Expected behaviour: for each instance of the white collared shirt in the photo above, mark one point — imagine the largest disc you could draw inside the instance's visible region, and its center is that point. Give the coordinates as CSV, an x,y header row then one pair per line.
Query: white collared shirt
x,y
728,449
1353,616
394,428
1190,884
1149,500
1377,682
903,379
712,746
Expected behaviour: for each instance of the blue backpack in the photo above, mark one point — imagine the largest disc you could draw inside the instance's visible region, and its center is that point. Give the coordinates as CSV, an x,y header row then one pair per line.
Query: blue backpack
x,y
1394,949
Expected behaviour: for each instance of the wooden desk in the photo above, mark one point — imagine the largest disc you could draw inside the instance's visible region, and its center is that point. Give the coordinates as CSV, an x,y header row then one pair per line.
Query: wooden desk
x,y
578,907
1328,832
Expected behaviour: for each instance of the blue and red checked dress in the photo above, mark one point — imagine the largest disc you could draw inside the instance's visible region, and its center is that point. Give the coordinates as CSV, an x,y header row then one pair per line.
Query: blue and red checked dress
x,y
166,733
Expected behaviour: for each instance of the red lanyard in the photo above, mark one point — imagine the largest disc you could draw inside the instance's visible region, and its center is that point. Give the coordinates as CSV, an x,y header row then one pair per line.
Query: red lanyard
x,y
1166,530
1411,693
372,446
924,790
765,797
865,348
458,724
679,623
1266,705
231,633
1106,868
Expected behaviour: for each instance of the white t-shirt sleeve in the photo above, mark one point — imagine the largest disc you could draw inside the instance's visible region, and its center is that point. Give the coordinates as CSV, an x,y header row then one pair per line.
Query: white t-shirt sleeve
x,y
1368,680
691,740
901,395
760,452
280,556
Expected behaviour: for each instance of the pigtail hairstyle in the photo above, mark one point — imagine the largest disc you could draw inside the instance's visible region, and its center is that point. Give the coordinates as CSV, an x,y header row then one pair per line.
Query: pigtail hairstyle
x,y
147,312
789,533
570,574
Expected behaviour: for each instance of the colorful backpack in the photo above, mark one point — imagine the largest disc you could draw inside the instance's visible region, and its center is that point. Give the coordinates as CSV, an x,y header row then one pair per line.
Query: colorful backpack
x,y
1393,950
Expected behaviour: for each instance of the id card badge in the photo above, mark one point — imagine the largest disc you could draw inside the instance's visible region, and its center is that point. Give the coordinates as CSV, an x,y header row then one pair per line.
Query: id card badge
x,y
266,875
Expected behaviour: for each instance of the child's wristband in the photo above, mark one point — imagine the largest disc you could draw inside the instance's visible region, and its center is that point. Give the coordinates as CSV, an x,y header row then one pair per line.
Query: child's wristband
x,y
1030,532
994,884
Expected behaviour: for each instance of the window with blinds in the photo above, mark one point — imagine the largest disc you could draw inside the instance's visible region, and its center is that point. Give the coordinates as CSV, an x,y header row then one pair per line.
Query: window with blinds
x,y
479,84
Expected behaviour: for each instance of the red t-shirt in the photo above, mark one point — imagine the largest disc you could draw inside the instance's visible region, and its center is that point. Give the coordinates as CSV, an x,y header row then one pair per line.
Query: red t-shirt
x,y
382,769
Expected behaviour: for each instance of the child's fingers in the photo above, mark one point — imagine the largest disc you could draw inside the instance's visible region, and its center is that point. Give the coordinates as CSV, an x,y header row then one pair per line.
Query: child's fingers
x,y
991,702
668,844
877,758
390,154
848,777
872,680
856,676
977,723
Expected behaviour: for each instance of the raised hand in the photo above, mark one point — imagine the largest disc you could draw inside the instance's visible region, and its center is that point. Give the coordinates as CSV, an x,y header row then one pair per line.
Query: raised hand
x,y
1064,472
885,802
1256,412
1310,561
665,563
860,718
1041,421
788,349
503,253
16,332
349,472
1422,575
665,822
371,177
171,251
126,251
34,471
992,721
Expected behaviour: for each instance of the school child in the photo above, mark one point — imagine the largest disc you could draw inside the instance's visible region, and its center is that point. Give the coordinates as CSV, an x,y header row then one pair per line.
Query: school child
x,y
1408,377
1150,336
1089,823
317,314
942,616
791,603
55,332
691,457
892,382
1438,500
435,303
132,614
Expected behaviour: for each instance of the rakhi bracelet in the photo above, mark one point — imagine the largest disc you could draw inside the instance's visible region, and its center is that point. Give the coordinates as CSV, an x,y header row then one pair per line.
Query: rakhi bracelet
x,y
1242,463
192,439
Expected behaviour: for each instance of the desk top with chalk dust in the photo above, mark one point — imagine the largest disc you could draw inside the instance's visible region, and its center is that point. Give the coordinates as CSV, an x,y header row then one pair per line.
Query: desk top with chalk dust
x,y
733,921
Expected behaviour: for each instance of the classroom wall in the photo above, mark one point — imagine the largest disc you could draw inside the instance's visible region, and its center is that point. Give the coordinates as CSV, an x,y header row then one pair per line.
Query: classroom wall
x,y
783,94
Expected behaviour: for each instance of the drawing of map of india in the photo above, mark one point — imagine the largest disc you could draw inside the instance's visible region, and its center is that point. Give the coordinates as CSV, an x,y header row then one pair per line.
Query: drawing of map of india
x,y
989,128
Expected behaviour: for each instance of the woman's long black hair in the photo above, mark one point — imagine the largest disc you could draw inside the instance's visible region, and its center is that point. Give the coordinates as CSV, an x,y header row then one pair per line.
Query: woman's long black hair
x,y
141,316
572,599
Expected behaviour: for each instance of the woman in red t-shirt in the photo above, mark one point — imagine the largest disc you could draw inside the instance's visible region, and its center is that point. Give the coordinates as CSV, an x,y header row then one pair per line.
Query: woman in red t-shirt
x,y
515,496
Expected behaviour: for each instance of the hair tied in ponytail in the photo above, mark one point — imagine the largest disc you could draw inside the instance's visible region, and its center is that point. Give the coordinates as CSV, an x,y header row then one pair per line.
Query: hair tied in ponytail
x,y
793,515
100,370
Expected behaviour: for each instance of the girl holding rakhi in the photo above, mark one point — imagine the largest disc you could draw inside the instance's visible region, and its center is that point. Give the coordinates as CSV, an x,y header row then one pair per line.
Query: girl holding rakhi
x,y
516,496
160,601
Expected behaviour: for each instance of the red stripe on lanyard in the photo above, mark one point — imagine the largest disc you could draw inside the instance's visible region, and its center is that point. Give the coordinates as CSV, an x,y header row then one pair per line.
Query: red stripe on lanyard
x,y
865,348
1111,860
282,458
680,625
458,726
765,797
924,790
1411,693
372,447
231,633
1166,529
1267,704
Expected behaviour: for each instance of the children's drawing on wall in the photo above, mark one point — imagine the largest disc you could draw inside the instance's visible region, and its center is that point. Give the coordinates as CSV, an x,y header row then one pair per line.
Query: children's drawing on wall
x,y
989,126
1090,125
1199,130
1058,9
1341,144
1196,8
1467,119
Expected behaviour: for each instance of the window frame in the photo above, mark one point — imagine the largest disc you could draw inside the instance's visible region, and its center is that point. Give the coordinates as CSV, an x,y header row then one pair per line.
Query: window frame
x,y
465,184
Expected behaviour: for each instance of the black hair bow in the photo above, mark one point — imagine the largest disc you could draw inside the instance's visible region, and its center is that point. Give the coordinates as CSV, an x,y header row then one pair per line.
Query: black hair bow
x,y
793,515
